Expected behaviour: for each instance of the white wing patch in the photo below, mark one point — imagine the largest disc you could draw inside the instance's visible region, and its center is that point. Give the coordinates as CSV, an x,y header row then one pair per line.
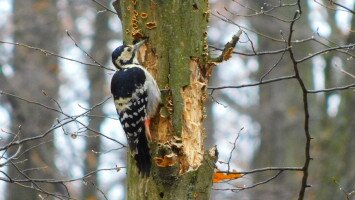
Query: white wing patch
x,y
121,104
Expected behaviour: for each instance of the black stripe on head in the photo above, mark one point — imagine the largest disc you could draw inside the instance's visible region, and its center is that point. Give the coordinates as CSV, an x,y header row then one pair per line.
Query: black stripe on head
x,y
124,55
117,52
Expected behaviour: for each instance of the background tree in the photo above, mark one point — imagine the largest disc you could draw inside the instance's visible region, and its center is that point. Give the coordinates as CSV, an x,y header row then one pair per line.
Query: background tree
x,y
35,77
97,89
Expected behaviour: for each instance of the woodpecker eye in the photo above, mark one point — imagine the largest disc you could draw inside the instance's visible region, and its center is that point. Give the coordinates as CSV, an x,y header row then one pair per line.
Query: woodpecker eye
x,y
129,49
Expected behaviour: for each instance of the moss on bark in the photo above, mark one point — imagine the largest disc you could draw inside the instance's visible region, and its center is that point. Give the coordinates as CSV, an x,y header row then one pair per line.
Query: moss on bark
x,y
174,54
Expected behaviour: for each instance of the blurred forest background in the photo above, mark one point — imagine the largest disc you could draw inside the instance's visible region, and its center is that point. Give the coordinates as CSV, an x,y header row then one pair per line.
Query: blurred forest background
x,y
55,74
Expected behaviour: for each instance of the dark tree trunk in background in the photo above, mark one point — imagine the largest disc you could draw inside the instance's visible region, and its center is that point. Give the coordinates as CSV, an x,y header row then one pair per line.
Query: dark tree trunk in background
x,y
34,24
336,140
280,112
209,124
98,91
347,123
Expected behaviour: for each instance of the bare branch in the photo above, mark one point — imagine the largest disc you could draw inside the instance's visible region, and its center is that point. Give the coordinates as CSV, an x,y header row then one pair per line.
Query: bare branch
x,y
338,4
265,169
306,111
252,186
253,84
86,53
261,11
349,46
331,2
234,146
11,157
333,89
225,19
345,72
260,53
105,7
49,53
347,194
263,182
228,48
68,120
274,66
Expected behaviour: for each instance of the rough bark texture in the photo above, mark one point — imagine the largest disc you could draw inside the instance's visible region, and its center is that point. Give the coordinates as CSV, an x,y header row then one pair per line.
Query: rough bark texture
x,y
175,54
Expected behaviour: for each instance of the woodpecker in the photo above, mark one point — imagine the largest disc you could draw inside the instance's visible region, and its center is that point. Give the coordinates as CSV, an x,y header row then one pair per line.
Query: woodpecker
x,y
136,97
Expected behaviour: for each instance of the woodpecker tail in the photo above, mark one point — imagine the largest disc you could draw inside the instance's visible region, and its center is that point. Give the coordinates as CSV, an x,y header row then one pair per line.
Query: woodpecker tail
x,y
142,156
135,129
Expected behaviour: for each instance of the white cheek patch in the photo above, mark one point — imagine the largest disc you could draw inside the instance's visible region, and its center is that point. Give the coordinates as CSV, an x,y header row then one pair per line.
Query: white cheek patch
x,y
125,56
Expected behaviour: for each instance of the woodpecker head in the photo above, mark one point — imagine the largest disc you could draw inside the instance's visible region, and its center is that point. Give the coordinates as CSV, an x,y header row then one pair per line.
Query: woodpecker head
x,y
126,54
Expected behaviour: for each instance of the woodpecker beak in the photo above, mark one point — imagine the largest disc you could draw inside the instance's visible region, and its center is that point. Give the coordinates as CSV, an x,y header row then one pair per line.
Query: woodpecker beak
x,y
139,44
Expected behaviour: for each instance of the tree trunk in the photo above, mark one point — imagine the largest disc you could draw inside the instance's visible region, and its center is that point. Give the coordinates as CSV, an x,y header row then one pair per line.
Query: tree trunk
x,y
336,138
35,25
96,76
280,111
176,55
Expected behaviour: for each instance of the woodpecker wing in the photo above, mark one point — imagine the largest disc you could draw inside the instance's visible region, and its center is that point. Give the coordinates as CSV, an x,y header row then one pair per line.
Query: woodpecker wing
x,y
130,96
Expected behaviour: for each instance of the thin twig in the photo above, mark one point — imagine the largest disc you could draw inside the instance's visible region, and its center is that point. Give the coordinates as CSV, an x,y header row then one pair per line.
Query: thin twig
x,y
234,146
11,157
349,46
105,7
237,189
253,84
86,53
263,182
69,117
274,66
332,89
346,8
260,53
265,169
49,53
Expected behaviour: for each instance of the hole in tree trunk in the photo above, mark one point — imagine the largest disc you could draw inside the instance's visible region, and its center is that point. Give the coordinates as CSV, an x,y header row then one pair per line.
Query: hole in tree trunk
x,y
195,6
161,195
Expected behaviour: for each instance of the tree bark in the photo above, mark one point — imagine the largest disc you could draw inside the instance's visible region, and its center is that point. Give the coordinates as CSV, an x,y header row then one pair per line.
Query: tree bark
x,y
176,55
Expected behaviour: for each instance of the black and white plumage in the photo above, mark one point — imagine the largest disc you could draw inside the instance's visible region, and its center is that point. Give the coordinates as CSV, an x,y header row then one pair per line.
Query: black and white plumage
x,y
136,96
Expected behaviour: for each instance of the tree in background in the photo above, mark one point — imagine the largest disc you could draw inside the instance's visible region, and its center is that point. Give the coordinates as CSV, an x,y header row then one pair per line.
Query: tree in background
x,y
101,53
35,76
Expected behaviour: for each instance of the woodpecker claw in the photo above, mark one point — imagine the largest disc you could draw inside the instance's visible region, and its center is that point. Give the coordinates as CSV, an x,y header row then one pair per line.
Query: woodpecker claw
x,y
147,129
